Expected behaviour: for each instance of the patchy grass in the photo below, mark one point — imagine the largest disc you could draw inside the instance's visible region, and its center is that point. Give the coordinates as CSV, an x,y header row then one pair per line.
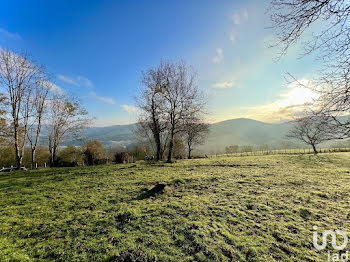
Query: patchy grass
x,y
218,209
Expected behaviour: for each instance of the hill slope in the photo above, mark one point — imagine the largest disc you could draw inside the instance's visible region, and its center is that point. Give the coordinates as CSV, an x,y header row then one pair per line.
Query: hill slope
x,y
244,131
217,209
239,131
113,135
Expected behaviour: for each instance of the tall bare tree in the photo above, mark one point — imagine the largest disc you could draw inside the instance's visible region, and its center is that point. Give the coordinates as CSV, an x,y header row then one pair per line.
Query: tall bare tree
x,y
66,118
153,138
150,102
182,99
18,75
3,123
39,103
195,133
169,99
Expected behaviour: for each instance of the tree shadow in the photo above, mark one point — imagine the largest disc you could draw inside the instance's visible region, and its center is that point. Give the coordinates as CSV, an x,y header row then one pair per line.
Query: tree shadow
x,y
156,190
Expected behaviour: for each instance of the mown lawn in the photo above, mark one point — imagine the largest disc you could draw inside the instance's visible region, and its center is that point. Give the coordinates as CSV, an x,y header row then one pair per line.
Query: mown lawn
x,y
218,209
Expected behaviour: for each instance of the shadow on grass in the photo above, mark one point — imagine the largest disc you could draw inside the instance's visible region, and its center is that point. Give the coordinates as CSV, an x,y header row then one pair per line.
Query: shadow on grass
x,y
156,190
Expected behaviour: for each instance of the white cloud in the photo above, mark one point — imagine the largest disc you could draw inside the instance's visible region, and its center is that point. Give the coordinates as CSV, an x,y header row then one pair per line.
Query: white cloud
x,y
239,17
55,88
52,87
222,85
80,81
129,109
236,18
84,81
233,37
8,34
219,56
67,80
245,14
103,99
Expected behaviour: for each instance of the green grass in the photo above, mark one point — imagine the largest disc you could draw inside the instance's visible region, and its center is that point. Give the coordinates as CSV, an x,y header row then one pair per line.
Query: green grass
x,y
218,209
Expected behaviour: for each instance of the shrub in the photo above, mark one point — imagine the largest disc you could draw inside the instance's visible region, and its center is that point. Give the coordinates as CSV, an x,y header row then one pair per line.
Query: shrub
x,y
232,149
69,156
94,153
123,158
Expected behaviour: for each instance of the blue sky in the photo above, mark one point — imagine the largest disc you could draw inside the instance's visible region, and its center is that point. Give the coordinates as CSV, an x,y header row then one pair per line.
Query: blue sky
x,y
97,50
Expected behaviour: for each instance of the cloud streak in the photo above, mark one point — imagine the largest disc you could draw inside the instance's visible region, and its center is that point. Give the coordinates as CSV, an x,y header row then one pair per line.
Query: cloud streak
x,y
55,88
240,17
223,85
233,37
79,81
236,18
219,57
107,100
129,109
82,83
9,35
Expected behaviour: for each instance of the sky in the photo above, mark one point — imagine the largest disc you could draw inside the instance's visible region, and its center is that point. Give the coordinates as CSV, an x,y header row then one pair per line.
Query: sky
x,y
98,50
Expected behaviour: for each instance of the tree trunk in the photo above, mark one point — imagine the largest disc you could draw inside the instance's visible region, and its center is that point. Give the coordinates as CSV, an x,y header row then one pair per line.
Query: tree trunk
x,y
17,150
36,141
51,161
171,145
189,145
314,148
53,157
33,157
158,145
18,161
189,153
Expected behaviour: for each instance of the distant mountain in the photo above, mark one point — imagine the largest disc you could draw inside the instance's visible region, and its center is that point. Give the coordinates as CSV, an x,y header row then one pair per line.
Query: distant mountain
x,y
239,131
122,135
243,131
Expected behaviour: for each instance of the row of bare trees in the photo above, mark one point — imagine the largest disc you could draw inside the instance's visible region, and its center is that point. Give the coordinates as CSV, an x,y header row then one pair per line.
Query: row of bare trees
x,y
323,28
171,105
30,102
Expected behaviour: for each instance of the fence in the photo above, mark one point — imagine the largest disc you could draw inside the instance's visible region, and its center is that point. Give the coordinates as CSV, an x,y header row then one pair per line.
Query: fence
x,y
283,152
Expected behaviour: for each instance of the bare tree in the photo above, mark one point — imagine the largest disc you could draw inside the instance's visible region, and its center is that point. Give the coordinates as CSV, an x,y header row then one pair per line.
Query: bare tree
x,y
169,99
149,136
195,134
150,102
330,41
66,118
182,99
3,123
39,103
18,75
292,18
311,130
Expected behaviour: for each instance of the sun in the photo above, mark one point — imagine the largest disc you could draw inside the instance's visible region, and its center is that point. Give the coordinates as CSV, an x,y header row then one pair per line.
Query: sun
x,y
298,94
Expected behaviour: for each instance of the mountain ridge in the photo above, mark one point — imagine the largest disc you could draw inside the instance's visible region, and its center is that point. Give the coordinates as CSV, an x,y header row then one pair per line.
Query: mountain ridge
x,y
240,131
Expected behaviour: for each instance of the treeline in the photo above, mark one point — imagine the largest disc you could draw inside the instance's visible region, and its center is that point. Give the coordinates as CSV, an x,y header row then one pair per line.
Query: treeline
x,y
91,153
28,102
171,119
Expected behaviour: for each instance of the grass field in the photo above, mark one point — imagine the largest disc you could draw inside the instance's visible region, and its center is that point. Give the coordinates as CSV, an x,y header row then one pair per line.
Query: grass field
x,y
218,209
